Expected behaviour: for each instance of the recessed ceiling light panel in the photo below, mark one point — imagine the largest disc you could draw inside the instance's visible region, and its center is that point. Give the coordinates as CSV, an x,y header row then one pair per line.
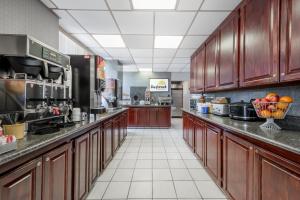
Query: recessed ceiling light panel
x,y
145,69
110,40
154,4
167,42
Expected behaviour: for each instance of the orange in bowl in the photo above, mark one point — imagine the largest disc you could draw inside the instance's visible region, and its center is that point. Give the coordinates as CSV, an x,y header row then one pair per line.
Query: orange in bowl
x,y
279,114
266,114
286,99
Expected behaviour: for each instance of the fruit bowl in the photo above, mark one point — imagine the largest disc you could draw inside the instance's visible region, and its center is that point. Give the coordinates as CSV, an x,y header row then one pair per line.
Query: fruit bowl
x,y
271,111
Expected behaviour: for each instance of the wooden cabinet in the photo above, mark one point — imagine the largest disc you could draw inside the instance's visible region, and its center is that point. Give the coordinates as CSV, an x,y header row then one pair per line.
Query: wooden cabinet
x,y
142,117
107,143
132,117
227,70
185,127
81,167
238,157
116,134
24,183
199,83
213,152
163,117
57,174
153,117
290,35
200,139
211,64
193,74
275,177
191,133
259,42
95,156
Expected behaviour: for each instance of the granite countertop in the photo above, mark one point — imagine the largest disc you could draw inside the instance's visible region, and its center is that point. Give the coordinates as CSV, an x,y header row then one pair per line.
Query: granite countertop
x,y
32,143
132,105
286,139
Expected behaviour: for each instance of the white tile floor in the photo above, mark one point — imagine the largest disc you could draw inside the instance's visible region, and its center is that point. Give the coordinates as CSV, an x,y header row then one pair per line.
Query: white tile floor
x,y
155,164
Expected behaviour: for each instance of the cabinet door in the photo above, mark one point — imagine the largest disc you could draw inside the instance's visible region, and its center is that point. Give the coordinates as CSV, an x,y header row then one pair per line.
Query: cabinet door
x,y
290,35
122,124
164,117
200,139
259,41
24,183
228,53
238,159
211,64
213,152
94,156
57,174
200,70
153,117
116,129
185,127
191,132
275,177
132,117
193,73
143,117
81,167
107,143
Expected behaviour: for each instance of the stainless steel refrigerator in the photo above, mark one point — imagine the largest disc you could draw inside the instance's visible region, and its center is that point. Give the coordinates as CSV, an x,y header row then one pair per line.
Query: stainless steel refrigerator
x,y
177,98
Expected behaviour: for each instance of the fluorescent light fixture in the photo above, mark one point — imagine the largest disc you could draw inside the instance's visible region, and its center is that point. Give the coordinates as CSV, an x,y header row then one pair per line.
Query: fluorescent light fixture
x,y
154,4
145,69
167,42
110,40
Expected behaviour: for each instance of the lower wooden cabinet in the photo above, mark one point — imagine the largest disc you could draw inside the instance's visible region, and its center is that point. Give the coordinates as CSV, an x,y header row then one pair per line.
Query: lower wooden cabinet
x,y
275,177
213,152
81,167
24,183
116,134
57,173
191,135
163,117
238,157
200,140
185,127
94,155
107,143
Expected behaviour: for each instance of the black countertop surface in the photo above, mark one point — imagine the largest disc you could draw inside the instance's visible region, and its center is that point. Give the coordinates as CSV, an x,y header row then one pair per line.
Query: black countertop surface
x,y
33,143
286,139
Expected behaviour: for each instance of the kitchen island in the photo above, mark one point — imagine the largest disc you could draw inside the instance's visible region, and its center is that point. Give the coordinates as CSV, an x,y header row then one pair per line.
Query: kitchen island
x,y
246,161
62,165
149,116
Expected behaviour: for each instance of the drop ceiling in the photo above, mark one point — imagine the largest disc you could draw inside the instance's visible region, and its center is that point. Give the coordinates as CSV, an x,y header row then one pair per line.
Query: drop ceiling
x,y
141,30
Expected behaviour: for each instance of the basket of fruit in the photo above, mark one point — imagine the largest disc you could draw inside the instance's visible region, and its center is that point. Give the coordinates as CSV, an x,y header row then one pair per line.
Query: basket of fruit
x,y
272,107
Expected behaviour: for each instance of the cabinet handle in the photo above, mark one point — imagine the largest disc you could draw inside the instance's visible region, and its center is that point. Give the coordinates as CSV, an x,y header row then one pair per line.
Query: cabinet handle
x,y
274,75
47,159
39,164
282,74
251,148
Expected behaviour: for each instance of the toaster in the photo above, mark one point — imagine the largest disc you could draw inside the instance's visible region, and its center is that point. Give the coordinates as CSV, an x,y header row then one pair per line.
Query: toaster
x,y
242,111
220,109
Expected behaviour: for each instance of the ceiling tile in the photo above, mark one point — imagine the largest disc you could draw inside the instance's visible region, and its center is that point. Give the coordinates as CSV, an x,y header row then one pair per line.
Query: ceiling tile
x,y
126,61
87,40
48,3
134,22
138,41
79,4
119,4
174,70
185,53
143,60
141,53
162,60
176,66
96,22
193,41
144,65
118,52
181,60
173,23
206,22
219,4
189,4
68,23
160,66
164,53
186,69
100,51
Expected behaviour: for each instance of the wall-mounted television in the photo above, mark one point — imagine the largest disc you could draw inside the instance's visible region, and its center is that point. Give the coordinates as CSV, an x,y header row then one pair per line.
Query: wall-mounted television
x,y
159,85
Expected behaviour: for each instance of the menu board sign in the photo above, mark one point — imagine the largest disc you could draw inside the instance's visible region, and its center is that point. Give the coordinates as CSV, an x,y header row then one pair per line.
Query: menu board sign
x,y
159,85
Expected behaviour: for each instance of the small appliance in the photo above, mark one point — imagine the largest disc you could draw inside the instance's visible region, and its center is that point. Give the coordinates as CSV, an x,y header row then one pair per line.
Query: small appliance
x,y
242,111
220,109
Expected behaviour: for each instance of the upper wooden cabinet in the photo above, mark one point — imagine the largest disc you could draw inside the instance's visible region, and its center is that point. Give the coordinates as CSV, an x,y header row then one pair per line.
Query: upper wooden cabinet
x,y
228,53
193,74
211,64
290,36
200,66
259,46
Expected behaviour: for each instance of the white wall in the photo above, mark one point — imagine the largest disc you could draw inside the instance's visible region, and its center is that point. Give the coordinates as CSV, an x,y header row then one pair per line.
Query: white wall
x,y
68,46
180,76
29,17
